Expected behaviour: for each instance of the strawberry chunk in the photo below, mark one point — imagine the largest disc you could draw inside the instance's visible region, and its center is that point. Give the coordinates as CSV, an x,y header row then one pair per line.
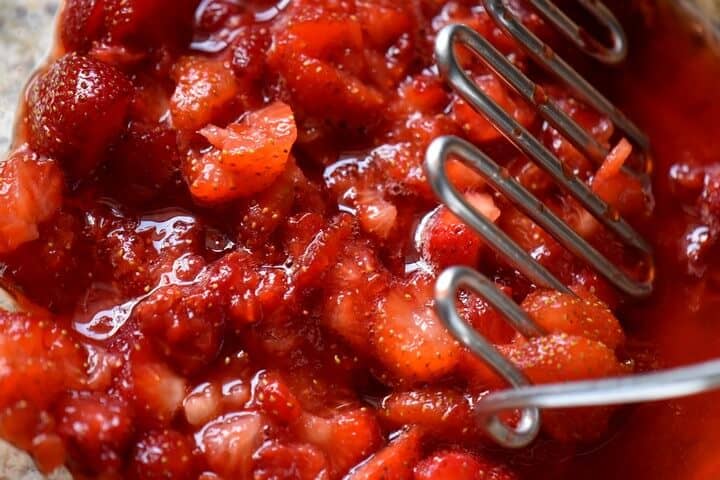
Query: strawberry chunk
x,y
247,157
475,126
377,216
347,437
31,189
97,429
440,411
352,285
230,441
75,109
162,455
272,396
277,461
39,360
409,339
203,404
394,462
558,312
447,240
459,466
81,22
618,188
563,358
206,92
157,392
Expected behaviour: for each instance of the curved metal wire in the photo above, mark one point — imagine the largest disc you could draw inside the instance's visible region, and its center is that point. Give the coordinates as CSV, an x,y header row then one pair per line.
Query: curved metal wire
x,y
443,149
529,399
542,54
446,290
449,66
613,54
647,387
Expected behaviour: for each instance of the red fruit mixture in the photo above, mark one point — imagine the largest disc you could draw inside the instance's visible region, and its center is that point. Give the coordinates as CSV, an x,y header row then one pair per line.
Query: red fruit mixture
x,y
222,246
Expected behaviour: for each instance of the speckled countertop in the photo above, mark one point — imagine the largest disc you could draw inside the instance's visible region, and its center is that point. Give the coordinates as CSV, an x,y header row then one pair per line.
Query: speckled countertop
x,y
25,36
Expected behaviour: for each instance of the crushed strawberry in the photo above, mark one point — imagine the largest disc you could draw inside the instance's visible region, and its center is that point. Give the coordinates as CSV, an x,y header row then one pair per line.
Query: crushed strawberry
x,y
347,437
163,454
206,92
297,462
442,411
220,239
246,158
31,189
395,461
565,313
447,240
461,466
475,126
408,337
228,443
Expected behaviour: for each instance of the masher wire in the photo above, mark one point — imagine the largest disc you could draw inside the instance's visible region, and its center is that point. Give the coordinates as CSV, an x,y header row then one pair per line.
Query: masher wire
x,y
527,398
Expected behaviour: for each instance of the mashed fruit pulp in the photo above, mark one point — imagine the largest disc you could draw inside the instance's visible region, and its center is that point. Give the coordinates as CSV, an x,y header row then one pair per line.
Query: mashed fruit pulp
x,y
222,244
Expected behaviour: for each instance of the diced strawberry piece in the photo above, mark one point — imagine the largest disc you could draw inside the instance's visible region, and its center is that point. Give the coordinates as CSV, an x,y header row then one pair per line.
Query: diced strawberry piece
x,y
376,215
97,429
316,254
247,156
530,236
409,339
394,462
352,286
319,88
459,466
31,189
206,92
447,240
425,93
383,24
563,358
81,22
230,441
157,392
277,461
347,437
48,451
558,312
483,318
265,212
75,109
272,395
162,455
616,187
146,158
249,49
203,404
475,126
440,411
159,22
185,324
39,360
